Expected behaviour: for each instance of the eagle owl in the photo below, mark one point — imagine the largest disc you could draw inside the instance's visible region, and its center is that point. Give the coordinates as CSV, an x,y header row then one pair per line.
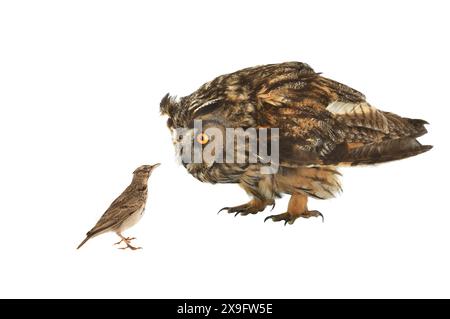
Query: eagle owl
x,y
322,124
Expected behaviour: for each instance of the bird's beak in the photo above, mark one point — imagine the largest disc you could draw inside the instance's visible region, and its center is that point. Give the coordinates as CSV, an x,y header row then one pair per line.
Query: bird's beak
x,y
156,165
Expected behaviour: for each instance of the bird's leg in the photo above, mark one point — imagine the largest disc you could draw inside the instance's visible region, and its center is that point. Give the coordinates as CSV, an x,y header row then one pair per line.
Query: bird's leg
x,y
252,207
297,207
127,241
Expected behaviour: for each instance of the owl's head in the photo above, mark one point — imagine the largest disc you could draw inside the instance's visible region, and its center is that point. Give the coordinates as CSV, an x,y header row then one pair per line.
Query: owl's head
x,y
182,111
199,134
213,139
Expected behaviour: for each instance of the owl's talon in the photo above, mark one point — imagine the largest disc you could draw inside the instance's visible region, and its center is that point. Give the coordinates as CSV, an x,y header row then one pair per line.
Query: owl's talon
x,y
277,218
253,207
315,213
225,208
290,218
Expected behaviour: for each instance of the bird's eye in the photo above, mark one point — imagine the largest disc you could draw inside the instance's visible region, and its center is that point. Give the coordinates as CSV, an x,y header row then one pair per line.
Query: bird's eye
x,y
202,138
180,137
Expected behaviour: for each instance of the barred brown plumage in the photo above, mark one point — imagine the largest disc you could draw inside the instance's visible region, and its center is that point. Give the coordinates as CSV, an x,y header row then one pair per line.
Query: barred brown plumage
x,y
322,125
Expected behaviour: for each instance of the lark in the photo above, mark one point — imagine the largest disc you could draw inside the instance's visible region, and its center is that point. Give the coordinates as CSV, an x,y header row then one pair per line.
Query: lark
x,y
126,210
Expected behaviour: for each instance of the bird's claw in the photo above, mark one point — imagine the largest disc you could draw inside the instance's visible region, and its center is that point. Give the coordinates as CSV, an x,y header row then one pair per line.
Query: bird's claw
x,y
131,247
252,207
290,218
314,213
286,217
243,210
128,239
225,208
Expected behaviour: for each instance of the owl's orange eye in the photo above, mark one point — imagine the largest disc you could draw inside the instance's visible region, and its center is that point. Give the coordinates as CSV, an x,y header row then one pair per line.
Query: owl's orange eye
x,y
202,138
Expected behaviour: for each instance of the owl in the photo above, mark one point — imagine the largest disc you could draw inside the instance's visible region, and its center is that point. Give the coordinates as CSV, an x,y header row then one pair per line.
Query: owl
x,y
316,125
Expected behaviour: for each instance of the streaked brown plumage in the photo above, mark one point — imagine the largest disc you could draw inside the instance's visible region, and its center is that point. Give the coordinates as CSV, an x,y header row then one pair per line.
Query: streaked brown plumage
x,y
126,210
323,125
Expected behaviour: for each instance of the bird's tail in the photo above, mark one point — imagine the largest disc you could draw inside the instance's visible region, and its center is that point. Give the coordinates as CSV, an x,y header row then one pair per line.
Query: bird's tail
x,y
398,141
84,241
385,151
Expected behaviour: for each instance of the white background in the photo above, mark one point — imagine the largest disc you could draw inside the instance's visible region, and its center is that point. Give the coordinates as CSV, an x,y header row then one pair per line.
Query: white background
x,y
80,86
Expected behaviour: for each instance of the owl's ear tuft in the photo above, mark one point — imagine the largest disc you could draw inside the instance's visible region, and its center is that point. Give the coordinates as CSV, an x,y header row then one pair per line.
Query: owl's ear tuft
x,y
168,105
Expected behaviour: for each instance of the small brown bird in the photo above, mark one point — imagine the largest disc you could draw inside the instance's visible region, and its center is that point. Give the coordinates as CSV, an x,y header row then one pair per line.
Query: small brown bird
x,y
126,210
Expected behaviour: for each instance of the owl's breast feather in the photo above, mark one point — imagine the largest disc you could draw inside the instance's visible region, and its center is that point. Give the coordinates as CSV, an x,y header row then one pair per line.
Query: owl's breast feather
x,y
217,173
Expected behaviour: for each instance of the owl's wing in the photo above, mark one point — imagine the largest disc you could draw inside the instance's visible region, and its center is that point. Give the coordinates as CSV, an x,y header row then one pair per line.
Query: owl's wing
x,y
321,121
308,131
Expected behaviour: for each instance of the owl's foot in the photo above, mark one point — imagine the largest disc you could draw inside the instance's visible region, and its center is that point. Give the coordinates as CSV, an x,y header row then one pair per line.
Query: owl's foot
x,y
297,208
289,218
252,207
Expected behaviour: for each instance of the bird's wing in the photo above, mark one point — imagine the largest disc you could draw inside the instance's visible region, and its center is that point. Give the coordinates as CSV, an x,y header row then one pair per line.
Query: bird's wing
x,y
296,103
321,121
124,206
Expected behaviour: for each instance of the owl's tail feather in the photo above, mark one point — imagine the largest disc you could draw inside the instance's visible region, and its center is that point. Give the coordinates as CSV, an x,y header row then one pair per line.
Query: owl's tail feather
x,y
419,127
386,151
405,127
